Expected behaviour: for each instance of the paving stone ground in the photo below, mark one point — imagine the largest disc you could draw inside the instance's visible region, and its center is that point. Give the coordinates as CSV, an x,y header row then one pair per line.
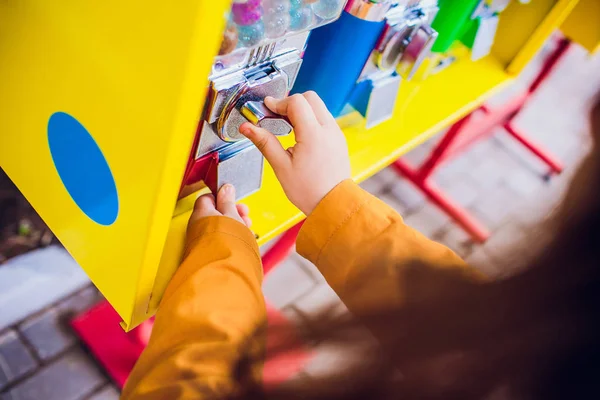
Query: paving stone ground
x,y
497,180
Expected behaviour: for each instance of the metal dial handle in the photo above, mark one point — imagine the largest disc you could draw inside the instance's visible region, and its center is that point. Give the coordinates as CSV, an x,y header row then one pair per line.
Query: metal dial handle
x,y
258,114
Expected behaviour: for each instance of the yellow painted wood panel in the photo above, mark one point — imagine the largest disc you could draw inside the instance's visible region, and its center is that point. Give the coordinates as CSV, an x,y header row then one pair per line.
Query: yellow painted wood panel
x,y
134,73
583,24
524,28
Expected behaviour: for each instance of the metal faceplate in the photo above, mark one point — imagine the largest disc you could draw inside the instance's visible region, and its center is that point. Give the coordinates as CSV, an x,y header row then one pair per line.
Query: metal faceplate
x,y
420,41
227,95
242,166
404,44
264,82
382,100
401,43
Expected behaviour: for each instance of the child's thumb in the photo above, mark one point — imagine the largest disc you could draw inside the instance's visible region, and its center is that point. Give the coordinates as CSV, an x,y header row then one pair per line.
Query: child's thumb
x,y
226,201
268,145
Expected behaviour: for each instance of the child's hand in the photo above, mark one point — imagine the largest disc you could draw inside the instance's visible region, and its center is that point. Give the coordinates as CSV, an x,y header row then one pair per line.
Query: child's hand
x,y
318,161
205,206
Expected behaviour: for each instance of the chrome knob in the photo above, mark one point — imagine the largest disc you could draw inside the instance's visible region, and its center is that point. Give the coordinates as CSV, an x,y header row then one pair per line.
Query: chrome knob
x,y
258,114
246,104
419,41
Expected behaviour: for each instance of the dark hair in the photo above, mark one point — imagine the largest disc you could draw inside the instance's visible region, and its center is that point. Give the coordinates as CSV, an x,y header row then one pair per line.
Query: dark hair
x,y
532,335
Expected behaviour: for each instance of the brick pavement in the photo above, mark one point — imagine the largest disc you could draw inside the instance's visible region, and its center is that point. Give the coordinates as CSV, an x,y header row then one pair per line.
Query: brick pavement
x,y
497,180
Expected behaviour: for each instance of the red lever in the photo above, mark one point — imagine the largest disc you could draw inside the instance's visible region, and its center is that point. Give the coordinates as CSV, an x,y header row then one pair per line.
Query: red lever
x,y
203,169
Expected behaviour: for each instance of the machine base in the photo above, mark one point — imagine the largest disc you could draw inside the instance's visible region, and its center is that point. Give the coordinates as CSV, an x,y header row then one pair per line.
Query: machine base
x,y
118,351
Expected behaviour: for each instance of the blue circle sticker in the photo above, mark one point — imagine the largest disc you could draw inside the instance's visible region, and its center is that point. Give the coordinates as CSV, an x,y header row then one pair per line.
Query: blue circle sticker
x,y
83,168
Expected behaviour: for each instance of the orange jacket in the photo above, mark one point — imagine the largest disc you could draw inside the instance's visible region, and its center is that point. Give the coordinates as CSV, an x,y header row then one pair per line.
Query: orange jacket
x,y
214,301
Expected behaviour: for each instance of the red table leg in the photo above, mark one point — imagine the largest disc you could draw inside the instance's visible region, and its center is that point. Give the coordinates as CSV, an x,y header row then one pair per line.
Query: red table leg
x,y
550,64
461,216
466,132
555,165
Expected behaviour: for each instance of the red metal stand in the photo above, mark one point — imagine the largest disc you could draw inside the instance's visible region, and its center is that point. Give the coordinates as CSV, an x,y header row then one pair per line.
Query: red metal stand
x,y
281,249
118,351
466,132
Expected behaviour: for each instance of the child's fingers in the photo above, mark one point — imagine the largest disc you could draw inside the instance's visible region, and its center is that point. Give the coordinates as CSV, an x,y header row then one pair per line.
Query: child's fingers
x,y
320,109
298,111
204,204
226,202
244,211
268,145
247,221
203,207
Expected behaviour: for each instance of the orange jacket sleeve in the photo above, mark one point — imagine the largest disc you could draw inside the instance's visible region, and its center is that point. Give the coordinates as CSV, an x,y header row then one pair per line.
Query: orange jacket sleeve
x,y
211,307
366,252
214,302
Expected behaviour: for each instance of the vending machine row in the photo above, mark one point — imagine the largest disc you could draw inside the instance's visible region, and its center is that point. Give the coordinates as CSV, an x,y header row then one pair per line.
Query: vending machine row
x,y
268,50
353,53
